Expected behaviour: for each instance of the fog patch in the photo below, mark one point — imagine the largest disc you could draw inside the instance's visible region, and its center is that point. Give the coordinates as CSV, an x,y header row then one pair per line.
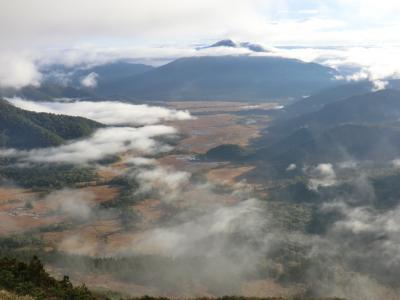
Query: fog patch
x,y
78,245
366,220
90,81
291,167
396,163
167,183
106,112
140,161
375,64
72,203
103,143
18,71
347,165
322,175
222,234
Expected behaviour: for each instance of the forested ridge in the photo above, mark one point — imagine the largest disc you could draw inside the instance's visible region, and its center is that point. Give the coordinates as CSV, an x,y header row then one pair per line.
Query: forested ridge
x,y
24,129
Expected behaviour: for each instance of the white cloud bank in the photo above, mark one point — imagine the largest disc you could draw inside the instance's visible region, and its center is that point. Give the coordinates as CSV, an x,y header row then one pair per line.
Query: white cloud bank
x,y
190,237
167,183
376,64
18,71
27,26
85,20
103,143
322,175
72,203
108,141
90,81
358,223
106,112
103,30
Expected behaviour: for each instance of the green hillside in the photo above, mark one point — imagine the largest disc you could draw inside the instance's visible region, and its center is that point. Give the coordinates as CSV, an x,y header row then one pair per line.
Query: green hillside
x,y
31,279
23,129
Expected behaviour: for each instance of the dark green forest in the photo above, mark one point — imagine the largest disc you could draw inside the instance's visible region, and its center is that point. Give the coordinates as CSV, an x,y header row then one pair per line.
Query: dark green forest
x,y
23,129
48,176
32,279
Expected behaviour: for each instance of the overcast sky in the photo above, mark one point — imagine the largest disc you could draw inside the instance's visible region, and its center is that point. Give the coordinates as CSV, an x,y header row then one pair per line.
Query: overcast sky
x,y
52,23
62,30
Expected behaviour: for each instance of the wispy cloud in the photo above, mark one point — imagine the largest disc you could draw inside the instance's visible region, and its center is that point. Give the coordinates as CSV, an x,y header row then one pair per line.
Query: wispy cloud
x,y
131,29
18,71
71,203
90,81
321,176
103,143
376,64
106,112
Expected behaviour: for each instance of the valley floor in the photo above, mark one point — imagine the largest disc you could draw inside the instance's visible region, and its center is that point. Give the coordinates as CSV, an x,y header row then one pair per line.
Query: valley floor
x,y
177,223
25,212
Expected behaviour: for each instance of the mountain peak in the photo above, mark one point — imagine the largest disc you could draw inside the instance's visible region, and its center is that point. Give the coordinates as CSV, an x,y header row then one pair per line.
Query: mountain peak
x,y
224,43
231,44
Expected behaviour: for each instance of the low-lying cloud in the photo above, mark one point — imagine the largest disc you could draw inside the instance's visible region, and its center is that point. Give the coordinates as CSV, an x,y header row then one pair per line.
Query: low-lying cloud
x,y
192,237
106,112
219,234
103,143
90,81
322,175
163,182
364,240
376,64
18,71
71,203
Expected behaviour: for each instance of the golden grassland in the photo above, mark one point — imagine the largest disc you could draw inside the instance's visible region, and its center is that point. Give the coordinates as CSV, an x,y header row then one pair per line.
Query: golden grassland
x,y
23,210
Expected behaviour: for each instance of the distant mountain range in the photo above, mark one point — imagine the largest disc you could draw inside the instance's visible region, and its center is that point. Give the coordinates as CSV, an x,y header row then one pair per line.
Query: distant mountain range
x,y
359,128
66,82
371,108
354,142
48,91
229,78
226,78
364,127
24,129
317,101
212,78
105,73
